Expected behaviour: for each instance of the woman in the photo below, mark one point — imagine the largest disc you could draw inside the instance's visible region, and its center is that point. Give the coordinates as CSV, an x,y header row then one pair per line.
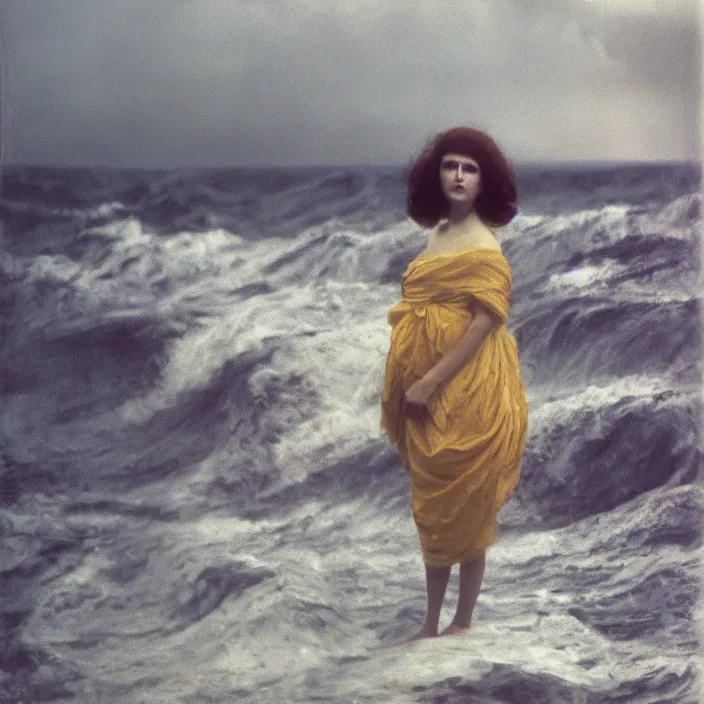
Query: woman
x,y
453,401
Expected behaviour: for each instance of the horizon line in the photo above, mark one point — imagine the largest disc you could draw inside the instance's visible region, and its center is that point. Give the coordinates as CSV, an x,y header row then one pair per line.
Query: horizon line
x,y
516,163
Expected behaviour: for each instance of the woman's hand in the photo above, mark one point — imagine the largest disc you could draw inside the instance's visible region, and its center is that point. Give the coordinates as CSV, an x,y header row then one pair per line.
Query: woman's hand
x,y
420,391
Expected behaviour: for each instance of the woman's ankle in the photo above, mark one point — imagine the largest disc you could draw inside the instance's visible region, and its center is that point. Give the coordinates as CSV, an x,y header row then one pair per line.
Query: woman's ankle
x,y
462,621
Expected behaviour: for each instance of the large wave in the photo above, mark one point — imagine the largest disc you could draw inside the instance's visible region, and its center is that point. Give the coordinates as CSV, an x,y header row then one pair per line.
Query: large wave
x,y
192,465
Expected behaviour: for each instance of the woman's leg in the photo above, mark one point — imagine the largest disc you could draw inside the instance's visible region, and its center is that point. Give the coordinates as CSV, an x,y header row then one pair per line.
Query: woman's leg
x,y
471,575
436,579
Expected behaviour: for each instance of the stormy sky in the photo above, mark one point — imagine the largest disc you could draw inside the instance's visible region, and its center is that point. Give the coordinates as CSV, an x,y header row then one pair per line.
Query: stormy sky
x,y
293,82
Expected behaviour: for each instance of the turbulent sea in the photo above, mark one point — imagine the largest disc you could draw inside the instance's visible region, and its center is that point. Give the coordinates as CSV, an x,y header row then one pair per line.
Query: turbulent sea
x,y
197,503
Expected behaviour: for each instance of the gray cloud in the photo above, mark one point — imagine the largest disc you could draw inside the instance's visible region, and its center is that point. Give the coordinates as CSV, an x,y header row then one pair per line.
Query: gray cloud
x,y
223,82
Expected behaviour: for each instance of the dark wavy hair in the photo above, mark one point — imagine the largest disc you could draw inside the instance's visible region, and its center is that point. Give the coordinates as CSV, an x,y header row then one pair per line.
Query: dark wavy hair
x,y
496,203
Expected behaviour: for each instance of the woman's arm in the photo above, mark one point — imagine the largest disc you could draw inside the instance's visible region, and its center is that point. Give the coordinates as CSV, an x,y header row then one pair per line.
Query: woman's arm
x,y
464,349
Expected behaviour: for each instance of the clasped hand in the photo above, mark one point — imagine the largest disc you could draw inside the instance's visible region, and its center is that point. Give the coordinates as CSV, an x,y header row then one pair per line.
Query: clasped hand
x,y
420,391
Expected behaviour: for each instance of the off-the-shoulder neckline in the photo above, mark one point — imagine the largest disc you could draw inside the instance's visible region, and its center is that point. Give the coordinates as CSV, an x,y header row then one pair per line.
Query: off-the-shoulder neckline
x,y
458,253
461,251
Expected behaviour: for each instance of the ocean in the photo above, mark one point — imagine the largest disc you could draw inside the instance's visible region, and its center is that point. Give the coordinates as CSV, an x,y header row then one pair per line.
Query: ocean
x,y
197,503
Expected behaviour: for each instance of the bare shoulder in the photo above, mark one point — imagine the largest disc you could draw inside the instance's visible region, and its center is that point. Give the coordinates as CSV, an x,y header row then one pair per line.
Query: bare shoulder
x,y
487,237
444,240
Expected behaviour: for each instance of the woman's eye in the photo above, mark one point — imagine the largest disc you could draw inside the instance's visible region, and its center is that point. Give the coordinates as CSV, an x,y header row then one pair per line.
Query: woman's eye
x,y
466,168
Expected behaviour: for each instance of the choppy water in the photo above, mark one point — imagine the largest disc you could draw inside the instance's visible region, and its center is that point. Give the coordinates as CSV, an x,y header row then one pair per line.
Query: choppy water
x,y
198,505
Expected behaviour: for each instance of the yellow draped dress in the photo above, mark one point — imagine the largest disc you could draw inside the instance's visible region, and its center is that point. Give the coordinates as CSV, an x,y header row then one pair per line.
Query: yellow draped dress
x,y
464,449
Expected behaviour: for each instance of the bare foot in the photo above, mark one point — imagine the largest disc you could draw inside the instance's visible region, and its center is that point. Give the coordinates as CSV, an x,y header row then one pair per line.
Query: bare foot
x,y
420,635
453,629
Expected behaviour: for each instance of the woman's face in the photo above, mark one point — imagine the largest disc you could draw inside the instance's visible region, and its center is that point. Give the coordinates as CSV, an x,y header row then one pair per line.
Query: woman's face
x,y
460,178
